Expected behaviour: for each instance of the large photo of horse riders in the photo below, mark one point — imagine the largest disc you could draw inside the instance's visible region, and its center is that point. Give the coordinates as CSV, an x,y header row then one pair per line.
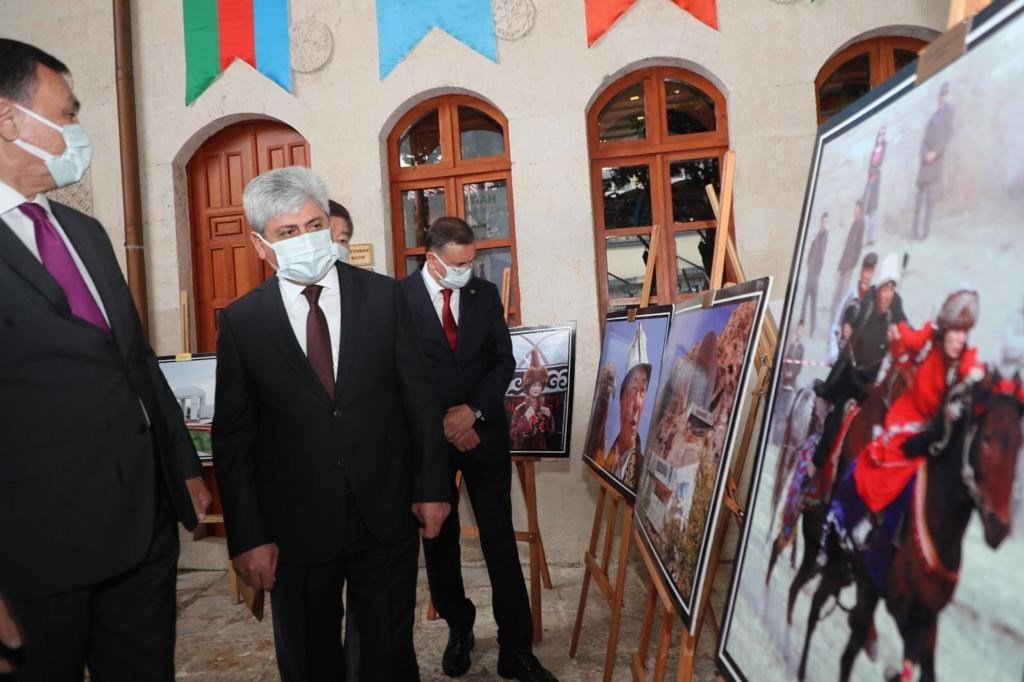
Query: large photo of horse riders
x,y
884,535
689,447
627,381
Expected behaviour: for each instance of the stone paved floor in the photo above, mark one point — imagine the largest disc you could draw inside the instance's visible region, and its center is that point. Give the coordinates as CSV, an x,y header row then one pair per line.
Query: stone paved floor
x,y
223,642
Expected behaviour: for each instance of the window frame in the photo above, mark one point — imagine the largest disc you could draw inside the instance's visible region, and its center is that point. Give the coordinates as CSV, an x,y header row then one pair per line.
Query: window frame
x,y
658,151
881,62
452,173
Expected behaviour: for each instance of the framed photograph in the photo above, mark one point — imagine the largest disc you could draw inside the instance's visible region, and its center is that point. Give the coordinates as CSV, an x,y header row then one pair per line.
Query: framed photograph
x,y
193,382
627,379
690,441
538,401
882,530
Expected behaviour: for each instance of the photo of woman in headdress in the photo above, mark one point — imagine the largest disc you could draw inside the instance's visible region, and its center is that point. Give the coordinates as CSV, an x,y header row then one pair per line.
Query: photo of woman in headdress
x,y
532,421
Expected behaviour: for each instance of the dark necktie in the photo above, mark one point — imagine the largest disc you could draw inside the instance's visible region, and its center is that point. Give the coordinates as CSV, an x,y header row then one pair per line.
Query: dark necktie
x,y
318,339
451,330
57,260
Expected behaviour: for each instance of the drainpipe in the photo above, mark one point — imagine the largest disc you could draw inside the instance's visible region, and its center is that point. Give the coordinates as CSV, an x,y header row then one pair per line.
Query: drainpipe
x,y
135,255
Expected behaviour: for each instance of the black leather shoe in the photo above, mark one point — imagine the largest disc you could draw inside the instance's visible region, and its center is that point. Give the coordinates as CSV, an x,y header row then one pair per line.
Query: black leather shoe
x,y
523,666
455,661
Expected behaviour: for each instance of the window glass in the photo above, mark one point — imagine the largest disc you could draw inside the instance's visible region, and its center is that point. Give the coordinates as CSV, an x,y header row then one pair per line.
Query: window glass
x,y
846,85
687,109
479,134
626,265
627,196
689,197
420,208
420,144
486,208
690,274
623,117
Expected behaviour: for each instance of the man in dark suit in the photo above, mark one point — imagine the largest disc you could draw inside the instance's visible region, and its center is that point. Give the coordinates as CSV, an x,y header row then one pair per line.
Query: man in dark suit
x,y
95,463
461,327
815,259
326,440
933,152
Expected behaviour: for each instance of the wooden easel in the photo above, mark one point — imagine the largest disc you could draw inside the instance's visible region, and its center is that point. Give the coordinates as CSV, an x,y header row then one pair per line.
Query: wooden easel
x,y
613,596
539,573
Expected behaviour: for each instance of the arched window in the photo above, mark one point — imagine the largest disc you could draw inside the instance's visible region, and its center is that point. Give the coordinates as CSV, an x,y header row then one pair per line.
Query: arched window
x,y
853,71
449,156
656,138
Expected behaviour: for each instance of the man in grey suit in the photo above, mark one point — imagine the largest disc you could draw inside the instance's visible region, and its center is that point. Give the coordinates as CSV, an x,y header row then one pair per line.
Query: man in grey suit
x,y
933,152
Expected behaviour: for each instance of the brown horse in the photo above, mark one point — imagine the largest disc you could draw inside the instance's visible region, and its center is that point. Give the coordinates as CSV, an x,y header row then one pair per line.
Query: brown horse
x,y
971,466
852,440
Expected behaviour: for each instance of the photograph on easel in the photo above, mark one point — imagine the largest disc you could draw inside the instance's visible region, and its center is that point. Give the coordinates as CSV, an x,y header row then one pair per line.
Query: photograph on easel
x,y
689,443
538,401
630,369
193,382
883,524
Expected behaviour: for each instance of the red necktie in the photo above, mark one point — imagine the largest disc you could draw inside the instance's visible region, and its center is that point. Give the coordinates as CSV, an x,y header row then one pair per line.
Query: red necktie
x,y
318,339
56,258
451,330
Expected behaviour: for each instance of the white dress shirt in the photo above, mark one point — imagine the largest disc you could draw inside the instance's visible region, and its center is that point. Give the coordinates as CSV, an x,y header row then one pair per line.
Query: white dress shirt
x,y
437,298
297,307
25,229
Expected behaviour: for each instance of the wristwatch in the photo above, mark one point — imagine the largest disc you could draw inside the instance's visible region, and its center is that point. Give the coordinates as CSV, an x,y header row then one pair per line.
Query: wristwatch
x,y
477,413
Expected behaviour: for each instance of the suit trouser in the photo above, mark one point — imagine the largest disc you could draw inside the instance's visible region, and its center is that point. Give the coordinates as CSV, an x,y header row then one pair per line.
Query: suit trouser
x,y
122,628
489,483
307,611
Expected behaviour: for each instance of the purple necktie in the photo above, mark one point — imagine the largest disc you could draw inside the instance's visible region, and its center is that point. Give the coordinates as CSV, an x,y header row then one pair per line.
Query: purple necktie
x,y
57,260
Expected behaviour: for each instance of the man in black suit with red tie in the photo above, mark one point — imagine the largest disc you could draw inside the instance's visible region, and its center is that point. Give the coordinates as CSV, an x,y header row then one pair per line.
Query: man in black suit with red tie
x,y
462,329
326,440
96,465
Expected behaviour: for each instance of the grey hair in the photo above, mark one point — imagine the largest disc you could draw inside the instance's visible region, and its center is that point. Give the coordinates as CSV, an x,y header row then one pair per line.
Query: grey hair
x,y
281,191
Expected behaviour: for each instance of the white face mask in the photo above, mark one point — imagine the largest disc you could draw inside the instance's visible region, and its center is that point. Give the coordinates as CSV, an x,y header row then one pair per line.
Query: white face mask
x,y
304,259
454,277
341,252
69,167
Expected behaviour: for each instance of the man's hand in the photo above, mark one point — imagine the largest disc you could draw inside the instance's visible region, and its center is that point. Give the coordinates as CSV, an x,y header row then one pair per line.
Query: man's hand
x,y
469,440
930,156
457,421
10,636
258,566
431,515
201,497
893,333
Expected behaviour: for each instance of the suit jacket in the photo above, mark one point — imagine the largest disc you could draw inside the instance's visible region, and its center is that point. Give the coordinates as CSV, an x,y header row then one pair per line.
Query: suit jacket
x,y
478,371
78,476
937,135
288,455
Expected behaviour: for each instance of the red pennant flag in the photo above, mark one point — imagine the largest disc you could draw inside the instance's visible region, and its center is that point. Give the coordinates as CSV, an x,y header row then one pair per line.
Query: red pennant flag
x,y
601,14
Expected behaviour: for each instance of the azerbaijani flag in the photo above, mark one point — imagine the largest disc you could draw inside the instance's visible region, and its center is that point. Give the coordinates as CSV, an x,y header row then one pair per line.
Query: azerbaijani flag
x,y
217,32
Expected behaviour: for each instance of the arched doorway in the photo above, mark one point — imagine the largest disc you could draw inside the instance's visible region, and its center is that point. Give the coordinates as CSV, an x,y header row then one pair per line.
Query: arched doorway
x,y
224,264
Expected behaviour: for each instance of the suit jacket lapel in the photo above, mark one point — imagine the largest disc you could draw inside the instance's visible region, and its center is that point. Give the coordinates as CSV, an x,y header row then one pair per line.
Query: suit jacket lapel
x,y
282,336
351,313
13,251
118,316
467,316
423,308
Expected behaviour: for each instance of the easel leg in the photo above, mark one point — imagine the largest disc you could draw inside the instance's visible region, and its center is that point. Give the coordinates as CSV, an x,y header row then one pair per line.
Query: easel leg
x,y
591,554
640,656
664,643
620,584
527,477
532,522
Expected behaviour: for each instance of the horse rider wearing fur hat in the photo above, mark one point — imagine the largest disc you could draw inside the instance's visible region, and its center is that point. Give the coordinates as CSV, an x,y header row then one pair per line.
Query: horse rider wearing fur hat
x,y
886,467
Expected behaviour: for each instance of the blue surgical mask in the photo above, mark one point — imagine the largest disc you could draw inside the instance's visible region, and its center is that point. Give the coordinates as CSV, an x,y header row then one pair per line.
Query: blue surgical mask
x,y
454,277
304,259
69,166
341,252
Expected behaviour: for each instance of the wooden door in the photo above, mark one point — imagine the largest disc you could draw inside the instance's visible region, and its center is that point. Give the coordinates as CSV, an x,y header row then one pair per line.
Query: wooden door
x,y
224,263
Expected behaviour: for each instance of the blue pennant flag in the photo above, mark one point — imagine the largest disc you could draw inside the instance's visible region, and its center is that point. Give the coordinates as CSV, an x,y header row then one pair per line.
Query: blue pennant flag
x,y
401,24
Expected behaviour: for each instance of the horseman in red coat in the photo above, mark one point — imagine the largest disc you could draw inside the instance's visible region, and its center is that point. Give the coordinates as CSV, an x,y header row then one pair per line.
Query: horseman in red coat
x,y
884,470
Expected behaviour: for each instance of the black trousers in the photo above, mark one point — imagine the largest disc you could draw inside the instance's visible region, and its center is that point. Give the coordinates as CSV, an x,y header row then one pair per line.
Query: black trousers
x,y
489,483
306,606
122,628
